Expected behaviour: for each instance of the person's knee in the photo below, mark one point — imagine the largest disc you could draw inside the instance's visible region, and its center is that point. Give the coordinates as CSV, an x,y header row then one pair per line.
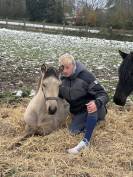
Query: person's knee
x,y
93,115
74,132
75,129
77,124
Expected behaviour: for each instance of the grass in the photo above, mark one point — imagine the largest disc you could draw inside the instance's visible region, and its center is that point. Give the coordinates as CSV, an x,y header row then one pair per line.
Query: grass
x,y
22,53
11,98
109,155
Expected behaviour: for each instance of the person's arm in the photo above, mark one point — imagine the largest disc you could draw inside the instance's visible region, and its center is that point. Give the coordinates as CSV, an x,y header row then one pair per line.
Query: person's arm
x,y
95,89
101,97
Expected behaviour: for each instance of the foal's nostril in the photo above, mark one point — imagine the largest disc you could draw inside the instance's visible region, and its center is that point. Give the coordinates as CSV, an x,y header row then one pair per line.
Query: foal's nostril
x,y
52,110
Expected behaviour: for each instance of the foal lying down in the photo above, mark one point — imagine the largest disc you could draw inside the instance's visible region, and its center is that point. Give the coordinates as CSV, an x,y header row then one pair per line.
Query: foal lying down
x,y
46,112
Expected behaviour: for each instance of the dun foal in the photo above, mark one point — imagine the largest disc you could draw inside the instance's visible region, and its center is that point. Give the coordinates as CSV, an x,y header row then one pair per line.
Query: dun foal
x,y
46,111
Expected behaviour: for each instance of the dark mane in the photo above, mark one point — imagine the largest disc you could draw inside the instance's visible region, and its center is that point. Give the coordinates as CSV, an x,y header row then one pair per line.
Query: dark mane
x,y
123,71
51,71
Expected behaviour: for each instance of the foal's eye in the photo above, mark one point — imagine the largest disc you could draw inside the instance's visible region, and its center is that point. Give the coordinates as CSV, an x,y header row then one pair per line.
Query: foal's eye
x,y
44,85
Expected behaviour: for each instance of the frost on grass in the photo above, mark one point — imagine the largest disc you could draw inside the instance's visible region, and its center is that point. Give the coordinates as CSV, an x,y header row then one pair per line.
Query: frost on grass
x,y
22,53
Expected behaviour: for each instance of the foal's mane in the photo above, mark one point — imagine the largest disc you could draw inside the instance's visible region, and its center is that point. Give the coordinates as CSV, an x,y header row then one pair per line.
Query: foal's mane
x,y
51,71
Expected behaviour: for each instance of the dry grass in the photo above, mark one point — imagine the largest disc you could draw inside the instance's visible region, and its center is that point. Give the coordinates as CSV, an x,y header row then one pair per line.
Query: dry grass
x,y
109,155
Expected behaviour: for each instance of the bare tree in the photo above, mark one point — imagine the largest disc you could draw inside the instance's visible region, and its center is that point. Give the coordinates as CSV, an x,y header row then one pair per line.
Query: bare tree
x,y
12,8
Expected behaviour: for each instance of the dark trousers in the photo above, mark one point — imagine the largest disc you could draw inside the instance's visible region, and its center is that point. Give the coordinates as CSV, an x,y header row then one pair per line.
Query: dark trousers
x,y
86,122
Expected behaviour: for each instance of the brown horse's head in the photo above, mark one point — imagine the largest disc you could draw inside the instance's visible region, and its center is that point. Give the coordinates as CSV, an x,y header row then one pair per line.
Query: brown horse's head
x,y
50,82
125,83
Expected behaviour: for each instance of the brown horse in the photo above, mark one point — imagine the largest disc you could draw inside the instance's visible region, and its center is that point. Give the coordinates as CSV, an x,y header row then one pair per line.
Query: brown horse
x,y
46,111
125,84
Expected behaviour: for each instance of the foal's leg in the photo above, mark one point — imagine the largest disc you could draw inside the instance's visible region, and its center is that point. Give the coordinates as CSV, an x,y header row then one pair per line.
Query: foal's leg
x,y
29,131
49,127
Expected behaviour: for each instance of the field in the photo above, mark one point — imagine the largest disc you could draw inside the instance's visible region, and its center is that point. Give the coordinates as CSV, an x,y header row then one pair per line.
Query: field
x,y
111,150
22,53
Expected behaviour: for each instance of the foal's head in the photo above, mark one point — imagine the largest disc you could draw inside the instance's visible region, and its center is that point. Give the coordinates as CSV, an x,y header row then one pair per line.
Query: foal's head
x,y
50,83
125,84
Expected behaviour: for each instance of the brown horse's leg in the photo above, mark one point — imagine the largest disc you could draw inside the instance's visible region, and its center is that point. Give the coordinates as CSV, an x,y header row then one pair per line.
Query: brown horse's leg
x,y
29,131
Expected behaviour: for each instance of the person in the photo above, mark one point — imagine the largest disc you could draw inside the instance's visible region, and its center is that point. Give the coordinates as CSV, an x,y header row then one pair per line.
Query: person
x,y
87,99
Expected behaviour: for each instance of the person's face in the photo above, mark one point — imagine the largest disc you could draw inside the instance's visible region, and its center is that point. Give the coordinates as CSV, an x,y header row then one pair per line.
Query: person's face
x,y
68,69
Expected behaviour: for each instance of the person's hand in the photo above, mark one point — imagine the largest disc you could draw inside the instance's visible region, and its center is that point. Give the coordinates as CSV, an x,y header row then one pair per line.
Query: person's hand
x,y
91,107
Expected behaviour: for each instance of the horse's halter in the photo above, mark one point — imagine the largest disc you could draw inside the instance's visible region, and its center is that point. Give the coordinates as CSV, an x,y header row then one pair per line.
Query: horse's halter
x,y
49,98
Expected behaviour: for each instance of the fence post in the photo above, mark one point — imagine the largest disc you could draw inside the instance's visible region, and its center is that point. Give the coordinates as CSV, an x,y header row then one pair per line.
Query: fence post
x,y
110,30
86,28
7,22
63,27
43,23
24,23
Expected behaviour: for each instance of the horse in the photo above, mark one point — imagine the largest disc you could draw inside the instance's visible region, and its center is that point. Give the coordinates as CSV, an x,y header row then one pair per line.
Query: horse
x,y
46,112
125,83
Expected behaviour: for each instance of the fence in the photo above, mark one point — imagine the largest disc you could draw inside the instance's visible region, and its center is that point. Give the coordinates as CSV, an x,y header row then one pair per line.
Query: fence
x,y
67,30
42,27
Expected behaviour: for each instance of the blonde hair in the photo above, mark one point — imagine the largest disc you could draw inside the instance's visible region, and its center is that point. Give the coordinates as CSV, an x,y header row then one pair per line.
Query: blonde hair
x,y
66,59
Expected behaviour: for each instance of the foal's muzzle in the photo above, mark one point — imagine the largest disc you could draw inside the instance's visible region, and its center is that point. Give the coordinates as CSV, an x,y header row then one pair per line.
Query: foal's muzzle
x,y
52,109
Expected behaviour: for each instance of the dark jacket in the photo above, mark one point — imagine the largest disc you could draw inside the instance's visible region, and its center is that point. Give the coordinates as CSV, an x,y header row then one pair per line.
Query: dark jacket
x,y
80,88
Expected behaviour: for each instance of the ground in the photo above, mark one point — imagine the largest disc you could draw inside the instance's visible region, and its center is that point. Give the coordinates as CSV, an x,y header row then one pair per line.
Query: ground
x,y
110,153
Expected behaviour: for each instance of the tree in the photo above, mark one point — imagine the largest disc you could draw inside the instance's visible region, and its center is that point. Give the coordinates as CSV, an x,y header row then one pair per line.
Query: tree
x,y
51,11
12,8
55,12
59,12
37,9
120,13
86,14
69,7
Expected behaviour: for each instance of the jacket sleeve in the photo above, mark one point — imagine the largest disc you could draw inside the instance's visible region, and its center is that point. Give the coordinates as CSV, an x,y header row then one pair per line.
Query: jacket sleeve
x,y
95,89
101,97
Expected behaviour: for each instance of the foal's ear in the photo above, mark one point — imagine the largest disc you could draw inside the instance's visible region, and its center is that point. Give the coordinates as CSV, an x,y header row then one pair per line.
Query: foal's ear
x,y
122,54
43,68
61,68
